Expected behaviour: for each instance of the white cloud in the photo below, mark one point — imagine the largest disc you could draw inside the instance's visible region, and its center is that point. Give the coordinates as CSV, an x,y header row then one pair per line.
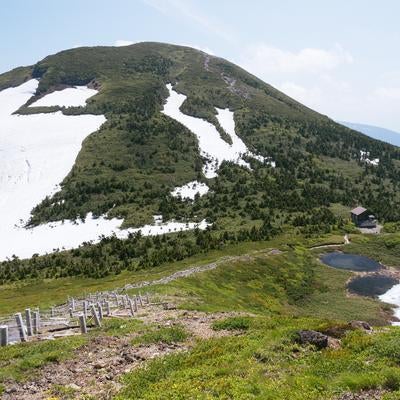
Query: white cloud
x,y
201,48
187,10
388,93
309,96
263,58
121,42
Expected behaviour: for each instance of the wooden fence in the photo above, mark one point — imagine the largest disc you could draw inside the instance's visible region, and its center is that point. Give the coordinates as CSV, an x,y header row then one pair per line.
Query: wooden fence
x,y
75,314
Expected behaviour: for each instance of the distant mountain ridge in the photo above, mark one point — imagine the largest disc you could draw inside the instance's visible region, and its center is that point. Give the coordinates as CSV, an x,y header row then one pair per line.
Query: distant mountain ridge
x,y
375,132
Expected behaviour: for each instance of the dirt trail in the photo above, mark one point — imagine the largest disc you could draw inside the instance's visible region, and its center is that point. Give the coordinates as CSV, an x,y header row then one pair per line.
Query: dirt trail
x,y
197,269
346,240
96,367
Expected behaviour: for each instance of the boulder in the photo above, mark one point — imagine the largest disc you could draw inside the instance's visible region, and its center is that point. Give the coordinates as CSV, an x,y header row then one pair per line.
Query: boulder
x,y
360,325
315,338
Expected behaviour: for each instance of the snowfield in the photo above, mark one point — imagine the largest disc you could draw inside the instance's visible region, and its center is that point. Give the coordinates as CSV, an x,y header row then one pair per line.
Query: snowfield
x,y
392,296
364,156
36,153
212,146
69,97
70,234
190,190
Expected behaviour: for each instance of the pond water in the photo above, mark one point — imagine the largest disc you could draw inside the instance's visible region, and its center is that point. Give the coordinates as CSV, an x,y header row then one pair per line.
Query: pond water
x,y
372,285
384,287
352,262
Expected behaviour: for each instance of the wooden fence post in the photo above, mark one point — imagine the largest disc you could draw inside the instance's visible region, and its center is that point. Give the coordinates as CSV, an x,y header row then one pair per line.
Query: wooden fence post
x,y
108,309
3,335
123,302
36,322
52,312
147,298
135,304
82,323
71,313
100,309
28,318
21,328
95,316
140,300
131,307
85,305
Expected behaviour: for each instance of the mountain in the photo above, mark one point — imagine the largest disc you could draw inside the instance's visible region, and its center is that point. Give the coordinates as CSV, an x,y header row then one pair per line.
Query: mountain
x,y
375,132
162,169
174,133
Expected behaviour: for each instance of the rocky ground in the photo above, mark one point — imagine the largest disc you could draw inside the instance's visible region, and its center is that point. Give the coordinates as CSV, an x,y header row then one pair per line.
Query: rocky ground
x,y
375,394
96,367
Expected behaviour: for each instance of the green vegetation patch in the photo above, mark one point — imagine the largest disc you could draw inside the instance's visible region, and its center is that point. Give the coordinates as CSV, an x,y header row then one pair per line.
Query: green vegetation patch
x,y
121,326
384,248
164,334
267,364
19,361
232,324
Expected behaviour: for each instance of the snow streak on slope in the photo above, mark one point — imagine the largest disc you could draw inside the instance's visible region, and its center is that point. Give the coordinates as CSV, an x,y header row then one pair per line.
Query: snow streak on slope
x,y
190,190
392,296
70,97
364,156
36,153
212,146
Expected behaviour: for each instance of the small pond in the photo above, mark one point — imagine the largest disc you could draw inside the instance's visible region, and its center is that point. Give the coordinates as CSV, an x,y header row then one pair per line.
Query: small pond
x,y
350,262
372,285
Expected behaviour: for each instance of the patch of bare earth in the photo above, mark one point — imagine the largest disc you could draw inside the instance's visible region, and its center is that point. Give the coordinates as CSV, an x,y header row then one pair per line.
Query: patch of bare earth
x,y
374,394
96,367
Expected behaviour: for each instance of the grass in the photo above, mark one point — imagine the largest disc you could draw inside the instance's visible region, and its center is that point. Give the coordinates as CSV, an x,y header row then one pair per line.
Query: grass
x,y
62,392
265,363
139,155
129,166
232,324
293,283
166,334
44,293
331,300
15,77
283,293
384,248
21,361
120,327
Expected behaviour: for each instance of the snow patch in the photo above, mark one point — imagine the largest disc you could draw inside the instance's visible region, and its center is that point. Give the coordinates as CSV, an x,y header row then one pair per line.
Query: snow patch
x,y
36,153
212,146
64,235
190,190
226,119
161,228
364,156
69,97
392,296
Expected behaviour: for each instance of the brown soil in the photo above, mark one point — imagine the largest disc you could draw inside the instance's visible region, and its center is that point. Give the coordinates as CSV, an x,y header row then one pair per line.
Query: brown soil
x,y
96,367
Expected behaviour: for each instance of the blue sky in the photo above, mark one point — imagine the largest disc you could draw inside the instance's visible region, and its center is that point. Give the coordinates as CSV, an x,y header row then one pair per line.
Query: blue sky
x,y
338,57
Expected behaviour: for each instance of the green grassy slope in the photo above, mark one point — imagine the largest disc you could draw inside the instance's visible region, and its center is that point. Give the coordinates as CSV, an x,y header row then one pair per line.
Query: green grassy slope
x,y
128,168
15,77
260,360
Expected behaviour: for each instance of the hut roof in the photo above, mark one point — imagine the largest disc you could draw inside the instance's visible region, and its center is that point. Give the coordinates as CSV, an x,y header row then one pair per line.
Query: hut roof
x,y
358,210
